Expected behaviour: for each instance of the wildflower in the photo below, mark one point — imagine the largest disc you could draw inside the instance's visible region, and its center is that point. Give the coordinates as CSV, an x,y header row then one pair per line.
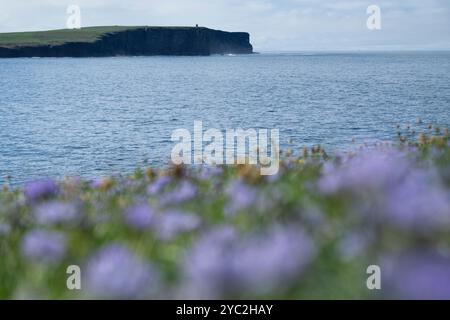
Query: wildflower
x,y
103,184
270,262
55,212
417,276
417,204
172,222
44,246
140,216
209,172
413,149
275,177
249,173
376,169
115,272
158,185
96,183
240,195
40,189
150,173
423,138
185,191
206,267
221,265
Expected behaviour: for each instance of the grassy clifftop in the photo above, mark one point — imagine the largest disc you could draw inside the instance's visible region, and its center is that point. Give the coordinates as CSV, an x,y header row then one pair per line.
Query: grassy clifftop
x,y
57,37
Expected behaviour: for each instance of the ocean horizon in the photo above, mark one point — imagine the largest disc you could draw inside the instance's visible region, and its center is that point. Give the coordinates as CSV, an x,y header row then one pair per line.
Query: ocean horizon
x,y
92,117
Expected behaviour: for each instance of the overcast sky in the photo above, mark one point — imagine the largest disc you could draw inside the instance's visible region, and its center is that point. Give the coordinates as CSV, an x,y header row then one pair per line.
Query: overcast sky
x,y
274,25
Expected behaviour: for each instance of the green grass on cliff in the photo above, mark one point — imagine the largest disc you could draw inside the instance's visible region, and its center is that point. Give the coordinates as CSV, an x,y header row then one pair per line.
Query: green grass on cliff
x,y
55,37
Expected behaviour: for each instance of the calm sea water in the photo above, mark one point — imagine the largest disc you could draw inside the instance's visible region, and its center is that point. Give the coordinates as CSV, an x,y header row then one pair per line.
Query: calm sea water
x,y
99,116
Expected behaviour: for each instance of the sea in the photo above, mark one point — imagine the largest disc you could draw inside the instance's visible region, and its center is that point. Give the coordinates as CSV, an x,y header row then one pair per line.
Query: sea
x,y
94,117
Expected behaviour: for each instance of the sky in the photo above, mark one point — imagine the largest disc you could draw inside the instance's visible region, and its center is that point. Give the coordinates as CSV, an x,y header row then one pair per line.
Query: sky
x,y
274,25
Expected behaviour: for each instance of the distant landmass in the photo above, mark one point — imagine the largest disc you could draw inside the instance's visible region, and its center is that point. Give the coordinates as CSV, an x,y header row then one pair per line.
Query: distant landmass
x,y
124,41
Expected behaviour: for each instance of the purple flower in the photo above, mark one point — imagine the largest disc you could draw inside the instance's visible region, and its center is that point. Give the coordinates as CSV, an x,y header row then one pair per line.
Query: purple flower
x,y
140,216
206,267
209,172
241,197
55,212
158,185
222,265
115,272
273,178
412,149
39,189
171,223
420,275
105,183
185,191
271,262
96,183
418,204
375,169
44,246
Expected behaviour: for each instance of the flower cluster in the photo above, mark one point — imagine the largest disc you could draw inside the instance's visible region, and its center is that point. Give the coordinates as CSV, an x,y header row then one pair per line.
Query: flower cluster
x,y
226,232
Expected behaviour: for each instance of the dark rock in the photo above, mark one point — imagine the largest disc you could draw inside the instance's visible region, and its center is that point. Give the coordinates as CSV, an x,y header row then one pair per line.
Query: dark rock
x,y
145,41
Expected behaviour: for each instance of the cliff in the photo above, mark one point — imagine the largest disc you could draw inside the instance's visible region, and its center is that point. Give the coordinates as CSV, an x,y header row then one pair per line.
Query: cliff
x,y
124,41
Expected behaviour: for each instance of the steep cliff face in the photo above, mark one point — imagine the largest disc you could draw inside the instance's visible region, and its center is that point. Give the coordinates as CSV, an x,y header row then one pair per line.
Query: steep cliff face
x,y
144,41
